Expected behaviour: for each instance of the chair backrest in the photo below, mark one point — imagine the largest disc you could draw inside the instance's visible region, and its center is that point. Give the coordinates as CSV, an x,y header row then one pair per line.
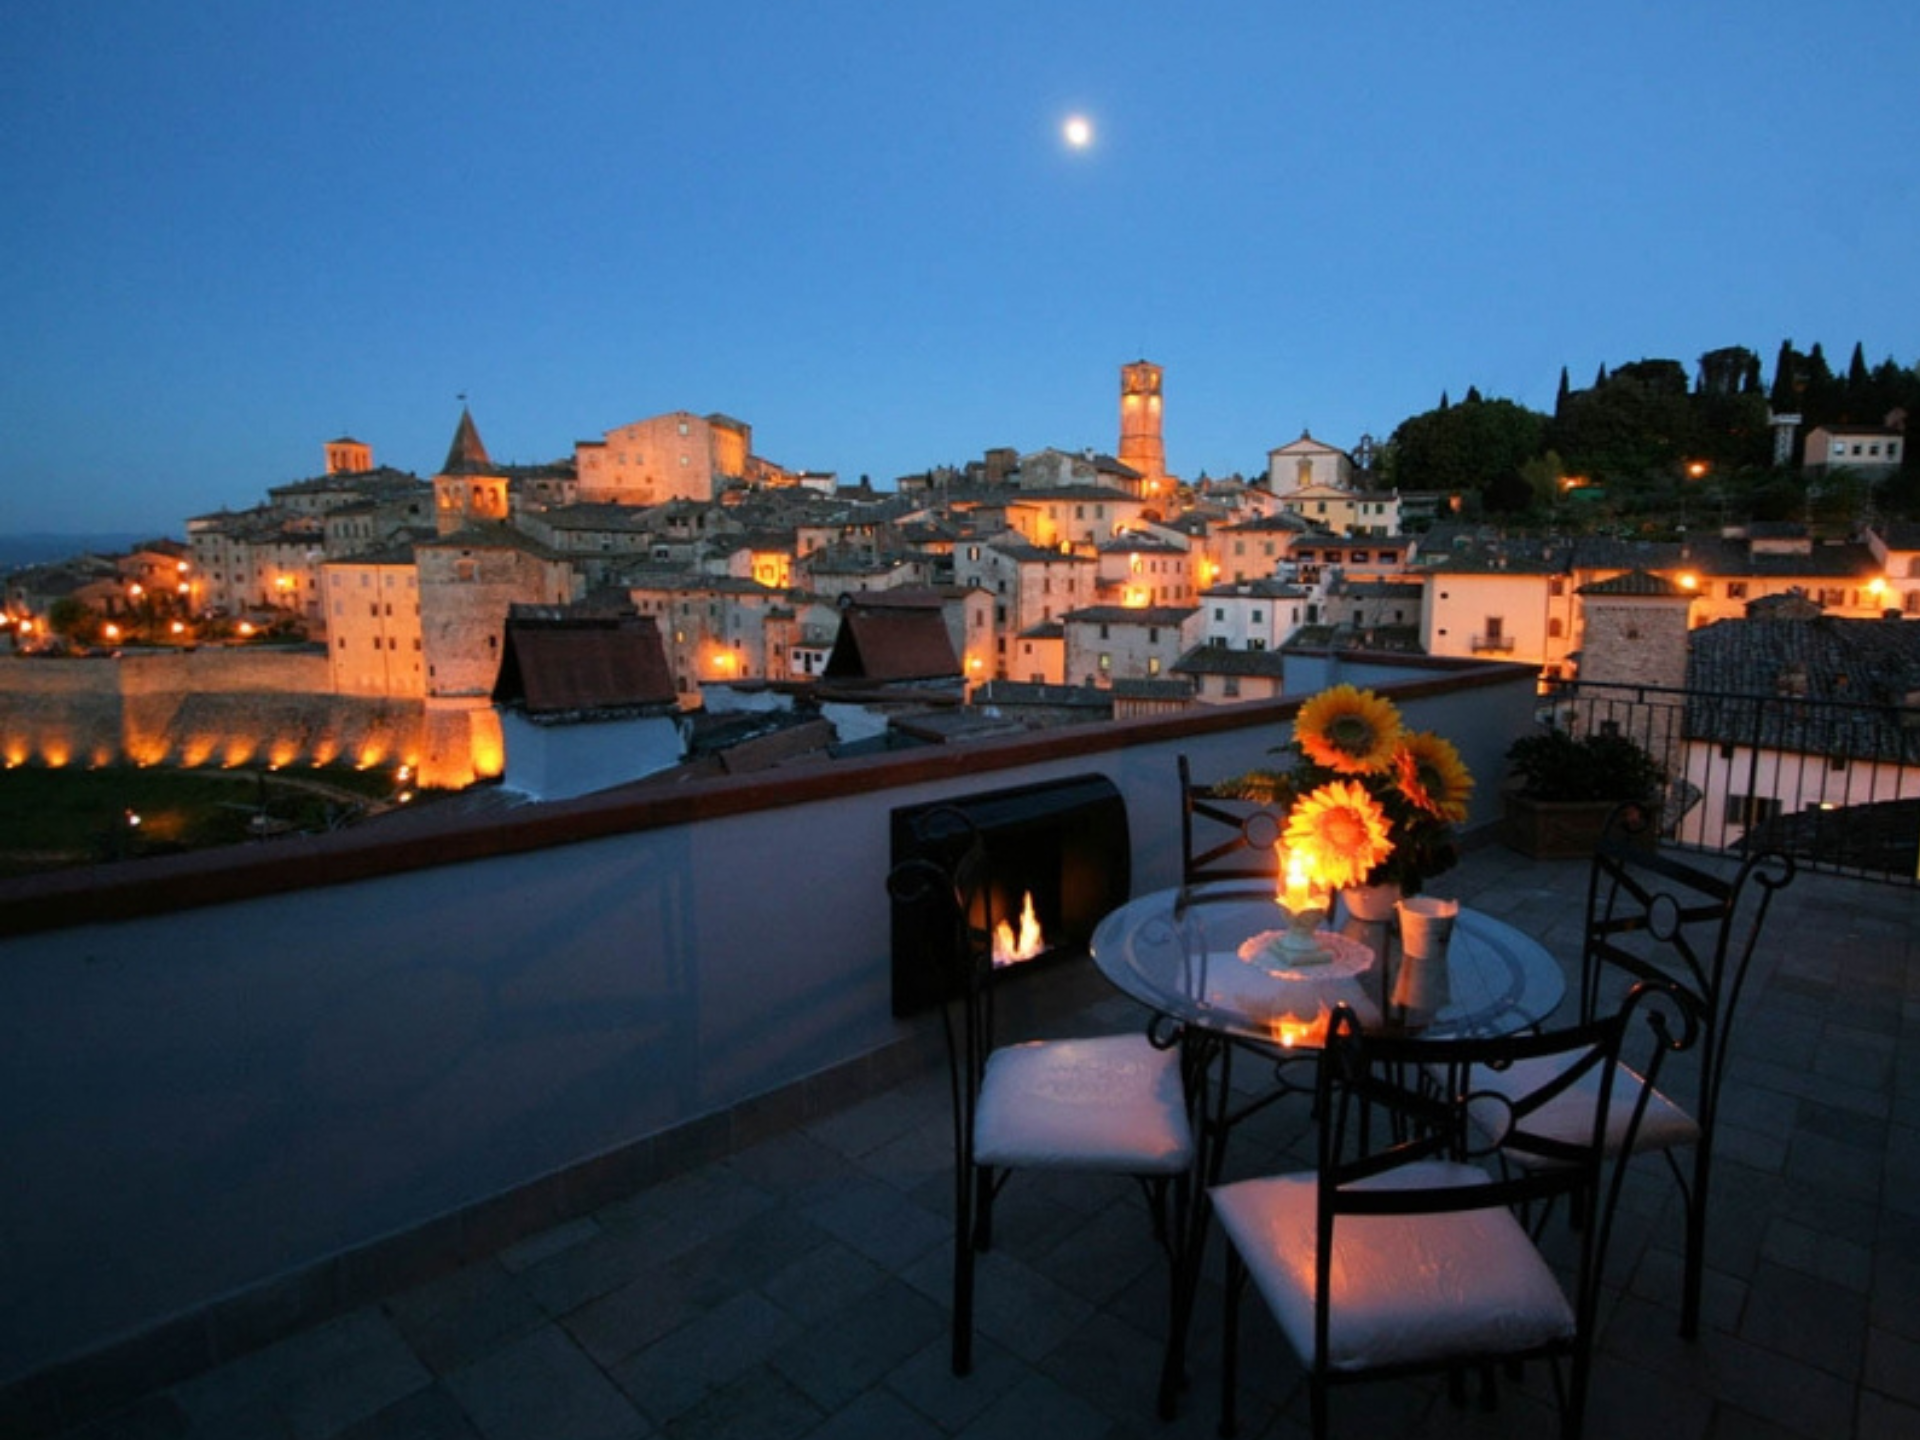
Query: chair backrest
x,y
1225,837
957,891
1389,1102
1652,915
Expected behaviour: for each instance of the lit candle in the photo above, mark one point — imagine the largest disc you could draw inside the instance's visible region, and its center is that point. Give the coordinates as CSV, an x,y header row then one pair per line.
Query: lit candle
x,y
1298,894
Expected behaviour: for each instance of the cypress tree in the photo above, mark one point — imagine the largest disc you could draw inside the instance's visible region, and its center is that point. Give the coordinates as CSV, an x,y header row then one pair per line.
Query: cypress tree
x,y
1785,396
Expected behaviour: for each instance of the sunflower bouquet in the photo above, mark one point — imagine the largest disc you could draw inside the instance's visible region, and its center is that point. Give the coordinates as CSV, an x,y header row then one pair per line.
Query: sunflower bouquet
x,y
1374,802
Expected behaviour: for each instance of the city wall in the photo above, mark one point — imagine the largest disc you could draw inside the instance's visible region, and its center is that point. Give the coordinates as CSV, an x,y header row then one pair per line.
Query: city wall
x,y
201,707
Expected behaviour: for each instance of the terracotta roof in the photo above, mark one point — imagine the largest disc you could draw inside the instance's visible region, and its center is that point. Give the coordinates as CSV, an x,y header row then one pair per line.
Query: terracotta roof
x,y
557,666
884,644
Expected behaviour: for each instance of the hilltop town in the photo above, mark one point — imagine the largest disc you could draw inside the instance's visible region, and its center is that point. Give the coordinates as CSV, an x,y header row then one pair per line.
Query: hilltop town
x,y
669,582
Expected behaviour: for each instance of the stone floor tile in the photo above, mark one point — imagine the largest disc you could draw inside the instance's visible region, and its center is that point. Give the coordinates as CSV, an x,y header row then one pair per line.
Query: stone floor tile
x,y
1803,1398
430,1414
926,1382
1022,1309
678,1371
452,1321
759,1403
1038,1406
878,1221
1893,1366
1815,1321
542,1386
1816,1252
1884,1419
876,1415
838,1356
825,1279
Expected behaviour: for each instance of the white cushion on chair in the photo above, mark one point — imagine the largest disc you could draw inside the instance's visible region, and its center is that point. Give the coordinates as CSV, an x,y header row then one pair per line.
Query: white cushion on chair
x,y
1569,1115
1405,1288
1111,1102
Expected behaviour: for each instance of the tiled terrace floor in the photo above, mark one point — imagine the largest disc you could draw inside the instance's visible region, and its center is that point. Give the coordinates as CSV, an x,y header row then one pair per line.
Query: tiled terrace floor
x,y
799,1288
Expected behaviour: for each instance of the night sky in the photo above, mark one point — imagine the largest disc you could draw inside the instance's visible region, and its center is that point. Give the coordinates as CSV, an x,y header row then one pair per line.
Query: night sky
x,y
238,228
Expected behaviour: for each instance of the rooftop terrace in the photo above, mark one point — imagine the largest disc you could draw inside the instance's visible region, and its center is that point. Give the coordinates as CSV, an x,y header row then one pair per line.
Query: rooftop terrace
x,y
797,1285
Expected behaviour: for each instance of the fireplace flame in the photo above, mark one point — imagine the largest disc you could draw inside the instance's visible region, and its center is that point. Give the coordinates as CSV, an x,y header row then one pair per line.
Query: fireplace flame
x,y
1009,950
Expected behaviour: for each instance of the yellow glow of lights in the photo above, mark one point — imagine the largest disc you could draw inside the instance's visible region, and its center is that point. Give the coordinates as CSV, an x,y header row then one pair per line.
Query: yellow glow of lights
x,y
1689,581
1876,587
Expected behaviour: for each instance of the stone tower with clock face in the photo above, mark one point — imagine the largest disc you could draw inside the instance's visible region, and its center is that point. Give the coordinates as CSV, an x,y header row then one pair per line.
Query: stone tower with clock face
x,y
1141,447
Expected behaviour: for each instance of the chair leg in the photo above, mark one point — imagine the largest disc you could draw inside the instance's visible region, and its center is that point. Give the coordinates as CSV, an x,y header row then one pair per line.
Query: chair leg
x,y
1236,1283
1696,1258
983,1192
963,1277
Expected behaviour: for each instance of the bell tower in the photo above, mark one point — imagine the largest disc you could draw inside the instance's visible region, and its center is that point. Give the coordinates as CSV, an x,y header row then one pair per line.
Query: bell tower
x,y
467,490
1141,447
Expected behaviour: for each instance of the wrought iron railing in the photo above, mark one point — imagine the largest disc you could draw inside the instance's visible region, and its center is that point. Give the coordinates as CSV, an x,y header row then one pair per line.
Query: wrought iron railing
x,y
1834,783
1492,644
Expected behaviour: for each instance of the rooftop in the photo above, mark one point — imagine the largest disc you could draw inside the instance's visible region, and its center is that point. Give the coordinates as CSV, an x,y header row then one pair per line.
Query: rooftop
x,y
797,1286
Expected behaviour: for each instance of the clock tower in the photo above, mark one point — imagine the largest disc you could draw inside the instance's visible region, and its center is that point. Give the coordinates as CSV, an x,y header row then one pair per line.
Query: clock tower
x,y
1141,447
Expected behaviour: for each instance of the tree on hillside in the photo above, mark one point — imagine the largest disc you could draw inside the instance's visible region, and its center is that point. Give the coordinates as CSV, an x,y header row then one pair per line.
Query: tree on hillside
x,y
1465,446
1639,422
1789,381
1730,370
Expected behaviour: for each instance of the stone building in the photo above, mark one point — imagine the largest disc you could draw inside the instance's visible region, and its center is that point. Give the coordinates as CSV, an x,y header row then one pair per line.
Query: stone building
x,y
678,456
1109,642
373,624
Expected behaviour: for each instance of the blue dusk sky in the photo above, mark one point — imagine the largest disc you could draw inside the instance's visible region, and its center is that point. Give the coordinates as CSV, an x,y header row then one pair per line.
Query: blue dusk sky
x,y
236,229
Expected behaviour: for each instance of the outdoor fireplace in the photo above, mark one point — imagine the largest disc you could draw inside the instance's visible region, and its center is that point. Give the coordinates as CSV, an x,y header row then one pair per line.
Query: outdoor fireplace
x,y
1061,845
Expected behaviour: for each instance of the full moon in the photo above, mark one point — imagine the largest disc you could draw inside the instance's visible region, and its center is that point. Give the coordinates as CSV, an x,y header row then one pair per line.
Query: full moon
x,y
1078,131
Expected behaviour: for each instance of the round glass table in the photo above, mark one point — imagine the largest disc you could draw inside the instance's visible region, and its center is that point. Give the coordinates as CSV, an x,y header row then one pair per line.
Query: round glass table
x,y
1210,958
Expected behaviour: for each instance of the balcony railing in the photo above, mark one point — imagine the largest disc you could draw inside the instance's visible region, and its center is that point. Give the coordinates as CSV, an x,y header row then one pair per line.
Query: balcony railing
x,y
1492,645
1834,783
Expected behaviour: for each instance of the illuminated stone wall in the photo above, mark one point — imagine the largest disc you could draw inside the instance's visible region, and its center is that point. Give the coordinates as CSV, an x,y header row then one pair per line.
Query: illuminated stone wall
x,y
208,707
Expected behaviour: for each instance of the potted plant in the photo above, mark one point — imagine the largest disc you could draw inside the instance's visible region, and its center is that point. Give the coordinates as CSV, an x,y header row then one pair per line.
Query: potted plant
x,y
1562,788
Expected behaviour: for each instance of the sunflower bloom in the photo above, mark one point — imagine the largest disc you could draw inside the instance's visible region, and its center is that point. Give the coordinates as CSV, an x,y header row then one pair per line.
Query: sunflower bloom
x,y
1345,830
1349,731
1431,774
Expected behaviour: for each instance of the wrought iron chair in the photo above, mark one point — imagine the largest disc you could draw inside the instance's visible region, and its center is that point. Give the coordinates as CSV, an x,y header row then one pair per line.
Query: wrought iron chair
x,y
1225,838
1111,1104
1401,1251
1651,915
